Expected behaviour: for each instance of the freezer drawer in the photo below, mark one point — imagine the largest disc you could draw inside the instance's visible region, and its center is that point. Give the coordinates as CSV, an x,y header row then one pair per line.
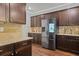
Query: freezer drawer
x,y
45,42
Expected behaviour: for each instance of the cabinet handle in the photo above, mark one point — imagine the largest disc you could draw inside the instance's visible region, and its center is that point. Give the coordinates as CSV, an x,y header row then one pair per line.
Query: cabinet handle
x,y
12,54
24,44
1,50
16,52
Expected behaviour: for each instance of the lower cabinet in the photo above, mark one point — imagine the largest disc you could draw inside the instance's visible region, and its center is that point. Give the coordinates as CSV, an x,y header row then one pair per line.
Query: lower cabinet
x,y
6,50
23,48
36,37
51,44
23,51
69,43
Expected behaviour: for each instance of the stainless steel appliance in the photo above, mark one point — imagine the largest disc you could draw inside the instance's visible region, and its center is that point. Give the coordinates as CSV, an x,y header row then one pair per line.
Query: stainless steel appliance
x,y
49,33
45,33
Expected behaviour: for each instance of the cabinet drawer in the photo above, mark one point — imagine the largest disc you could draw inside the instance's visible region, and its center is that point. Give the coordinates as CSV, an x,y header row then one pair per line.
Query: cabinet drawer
x,y
24,51
22,43
23,48
6,50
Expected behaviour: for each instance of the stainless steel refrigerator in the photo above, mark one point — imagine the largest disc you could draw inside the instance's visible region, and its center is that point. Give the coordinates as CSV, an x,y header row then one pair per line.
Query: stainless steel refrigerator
x,y
49,33
45,33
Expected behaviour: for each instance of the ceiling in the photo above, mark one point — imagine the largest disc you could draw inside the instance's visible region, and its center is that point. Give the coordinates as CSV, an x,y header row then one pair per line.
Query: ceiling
x,y
38,7
35,7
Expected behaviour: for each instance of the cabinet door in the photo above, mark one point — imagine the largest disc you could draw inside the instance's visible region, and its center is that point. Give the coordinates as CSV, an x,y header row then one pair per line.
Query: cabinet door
x,y
23,48
2,12
7,15
60,42
38,21
63,18
38,38
51,44
32,21
42,16
73,16
24,51
6,50
18,13
47,16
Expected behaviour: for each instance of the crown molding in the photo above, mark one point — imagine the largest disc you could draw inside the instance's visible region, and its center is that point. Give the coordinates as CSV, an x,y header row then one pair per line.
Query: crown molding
x,y
57,8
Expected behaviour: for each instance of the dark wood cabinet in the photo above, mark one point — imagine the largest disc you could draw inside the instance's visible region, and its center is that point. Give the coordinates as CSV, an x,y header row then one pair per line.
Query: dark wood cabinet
x,y
32,21
69,17
2,12
23,48
36,37
7,12
24,51
42,16
36,21
51,45
47,16
13,12
18,13
6,50
73,15
63,18
69,43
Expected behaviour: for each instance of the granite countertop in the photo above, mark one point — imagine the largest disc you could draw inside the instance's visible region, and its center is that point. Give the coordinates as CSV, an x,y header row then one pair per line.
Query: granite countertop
x,y
69,34
35,32
10,41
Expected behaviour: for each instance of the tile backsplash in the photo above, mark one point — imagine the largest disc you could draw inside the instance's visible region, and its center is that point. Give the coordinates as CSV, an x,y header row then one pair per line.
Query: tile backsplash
x,y
68,30
35,29
11,31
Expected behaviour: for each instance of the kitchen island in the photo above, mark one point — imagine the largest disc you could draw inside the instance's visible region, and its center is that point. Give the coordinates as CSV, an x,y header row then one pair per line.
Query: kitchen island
x,y
18,47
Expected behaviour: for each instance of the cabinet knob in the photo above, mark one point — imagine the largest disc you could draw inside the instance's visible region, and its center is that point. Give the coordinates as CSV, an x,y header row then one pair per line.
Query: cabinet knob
x,y
16,52
12,54
24,44
1,50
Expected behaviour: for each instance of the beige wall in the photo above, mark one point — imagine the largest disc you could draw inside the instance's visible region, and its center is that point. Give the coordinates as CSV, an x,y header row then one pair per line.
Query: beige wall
x,y
11,31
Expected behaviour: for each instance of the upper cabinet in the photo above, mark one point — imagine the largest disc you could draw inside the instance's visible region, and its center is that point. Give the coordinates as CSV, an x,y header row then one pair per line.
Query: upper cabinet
x,y
63,18
47,16
18,13
13,12
73,15
32,22
69,17
36,21
2,12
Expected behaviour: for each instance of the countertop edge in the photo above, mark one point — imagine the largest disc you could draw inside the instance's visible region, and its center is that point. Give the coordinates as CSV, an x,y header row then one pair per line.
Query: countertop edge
x,y
68,34
27,38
